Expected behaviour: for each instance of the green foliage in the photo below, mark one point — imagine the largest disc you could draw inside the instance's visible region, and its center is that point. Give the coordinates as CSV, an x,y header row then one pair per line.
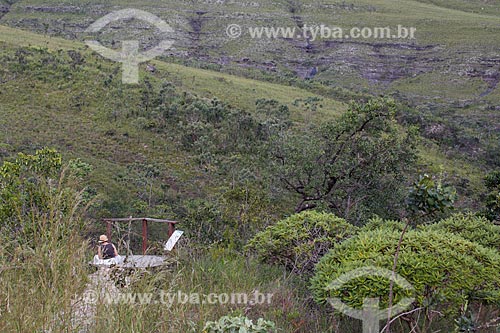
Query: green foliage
x,y
273,116
200,146
45,162
218,271
349,164
192,150
492,180
209,125
446,270
299,241
203,221
471,227
492,200
79,168
229,218
309,105
466,322
379,223
34,189
245,210
427,196
239,324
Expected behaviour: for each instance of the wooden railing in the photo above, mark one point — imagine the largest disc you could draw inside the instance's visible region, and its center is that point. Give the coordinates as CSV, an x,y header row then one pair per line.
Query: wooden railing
x,y
145,220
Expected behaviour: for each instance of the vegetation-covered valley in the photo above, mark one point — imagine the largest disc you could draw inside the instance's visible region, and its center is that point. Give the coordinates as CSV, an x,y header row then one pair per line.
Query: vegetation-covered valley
x,y
287,163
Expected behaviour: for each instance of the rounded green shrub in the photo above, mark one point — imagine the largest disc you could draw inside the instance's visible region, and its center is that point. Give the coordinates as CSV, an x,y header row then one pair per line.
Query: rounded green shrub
x,y
445,270
299,241
474,228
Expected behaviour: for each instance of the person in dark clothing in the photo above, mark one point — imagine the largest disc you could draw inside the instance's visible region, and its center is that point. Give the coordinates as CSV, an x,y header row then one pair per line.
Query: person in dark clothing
x,y
106,250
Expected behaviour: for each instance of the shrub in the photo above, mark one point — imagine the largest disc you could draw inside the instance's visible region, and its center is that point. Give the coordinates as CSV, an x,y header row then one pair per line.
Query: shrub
x,y
31,188
471,227
228,324
492,200
379,223
446,271
299,241
428,196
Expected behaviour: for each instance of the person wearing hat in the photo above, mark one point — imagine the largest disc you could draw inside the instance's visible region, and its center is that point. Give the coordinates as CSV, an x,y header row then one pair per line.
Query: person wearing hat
x,y
106,250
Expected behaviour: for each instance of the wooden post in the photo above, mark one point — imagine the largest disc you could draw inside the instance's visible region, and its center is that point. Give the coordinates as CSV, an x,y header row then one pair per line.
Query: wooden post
x,y
144,236
171,229
108,230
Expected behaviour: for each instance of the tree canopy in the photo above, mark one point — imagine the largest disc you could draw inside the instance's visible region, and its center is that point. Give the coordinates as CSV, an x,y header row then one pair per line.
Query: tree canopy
x,y
345,164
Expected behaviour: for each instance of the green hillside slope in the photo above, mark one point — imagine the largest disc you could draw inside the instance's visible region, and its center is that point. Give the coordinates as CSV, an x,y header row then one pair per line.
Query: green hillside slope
x,y
57,93
449,73
89,102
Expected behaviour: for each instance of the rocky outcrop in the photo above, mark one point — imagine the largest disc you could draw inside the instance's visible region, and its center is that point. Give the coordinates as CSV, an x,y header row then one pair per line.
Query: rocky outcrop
x,y
5,7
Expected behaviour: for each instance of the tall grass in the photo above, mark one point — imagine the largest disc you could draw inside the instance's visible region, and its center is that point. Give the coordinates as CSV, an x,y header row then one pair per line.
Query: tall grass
x,y
42,270
213,271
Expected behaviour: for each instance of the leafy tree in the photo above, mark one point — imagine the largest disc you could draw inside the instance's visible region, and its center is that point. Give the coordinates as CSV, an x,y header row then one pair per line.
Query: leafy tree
x,y
349,164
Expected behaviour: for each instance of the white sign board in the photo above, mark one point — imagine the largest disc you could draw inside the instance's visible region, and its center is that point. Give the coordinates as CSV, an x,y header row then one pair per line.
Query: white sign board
x,y
169,245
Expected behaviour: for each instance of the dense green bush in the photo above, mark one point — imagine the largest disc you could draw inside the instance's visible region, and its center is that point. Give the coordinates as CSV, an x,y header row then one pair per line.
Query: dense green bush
x,y
299,241
379,223
31,187
471,227
446,271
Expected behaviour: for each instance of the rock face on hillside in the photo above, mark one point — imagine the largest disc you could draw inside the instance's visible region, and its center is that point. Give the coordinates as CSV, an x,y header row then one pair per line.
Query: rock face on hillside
x,y
378,63
4,9
200,33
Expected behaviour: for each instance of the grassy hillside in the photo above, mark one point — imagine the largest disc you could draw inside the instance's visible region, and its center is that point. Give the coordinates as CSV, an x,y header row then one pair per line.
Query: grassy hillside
x,y
61,94
57,93
449,74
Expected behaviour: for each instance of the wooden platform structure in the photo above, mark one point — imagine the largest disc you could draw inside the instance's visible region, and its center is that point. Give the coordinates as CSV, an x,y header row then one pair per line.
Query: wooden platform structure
x,y
144,220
